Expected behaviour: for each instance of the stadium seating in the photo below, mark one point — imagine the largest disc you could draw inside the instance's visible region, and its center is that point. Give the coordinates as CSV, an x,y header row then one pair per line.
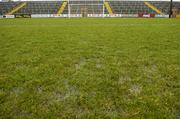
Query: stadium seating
x,y
91,7
164,6
177,6
5,7
130,7
40,7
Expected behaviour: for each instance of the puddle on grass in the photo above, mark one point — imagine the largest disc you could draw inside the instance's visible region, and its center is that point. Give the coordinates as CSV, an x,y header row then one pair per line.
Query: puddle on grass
x,y
123,79
114,111
176,113
99,63
39,89
57,97
98,66
80,64
68,91
79,112
150,70
135,89
17,90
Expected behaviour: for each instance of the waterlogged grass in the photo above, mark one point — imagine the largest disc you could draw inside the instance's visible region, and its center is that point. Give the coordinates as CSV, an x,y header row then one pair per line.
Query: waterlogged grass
x,y
89,68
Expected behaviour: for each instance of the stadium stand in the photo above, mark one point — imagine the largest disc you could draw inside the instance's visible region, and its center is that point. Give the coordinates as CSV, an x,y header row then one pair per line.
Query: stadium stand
x,y
6,7
164,6
89,7
152,7
18,7
130,7
40,7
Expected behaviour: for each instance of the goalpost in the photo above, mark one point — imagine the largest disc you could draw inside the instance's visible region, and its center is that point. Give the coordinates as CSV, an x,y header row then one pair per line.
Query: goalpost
x,y
83,8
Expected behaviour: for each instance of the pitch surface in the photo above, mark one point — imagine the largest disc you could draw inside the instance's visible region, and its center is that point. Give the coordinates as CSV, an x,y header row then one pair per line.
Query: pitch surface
x,y
96,68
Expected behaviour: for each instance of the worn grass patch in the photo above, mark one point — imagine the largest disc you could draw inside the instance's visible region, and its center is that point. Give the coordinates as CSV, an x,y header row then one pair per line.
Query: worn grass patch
x,y
89,68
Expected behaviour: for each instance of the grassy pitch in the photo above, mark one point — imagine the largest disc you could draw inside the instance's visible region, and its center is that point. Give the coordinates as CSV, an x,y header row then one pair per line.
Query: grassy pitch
x,y
89,68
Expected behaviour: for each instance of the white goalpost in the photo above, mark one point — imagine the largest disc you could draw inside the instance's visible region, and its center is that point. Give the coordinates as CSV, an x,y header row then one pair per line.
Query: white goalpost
x,y
85,8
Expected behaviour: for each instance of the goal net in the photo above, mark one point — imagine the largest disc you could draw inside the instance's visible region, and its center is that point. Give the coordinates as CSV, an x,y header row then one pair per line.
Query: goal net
x,y
86,9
